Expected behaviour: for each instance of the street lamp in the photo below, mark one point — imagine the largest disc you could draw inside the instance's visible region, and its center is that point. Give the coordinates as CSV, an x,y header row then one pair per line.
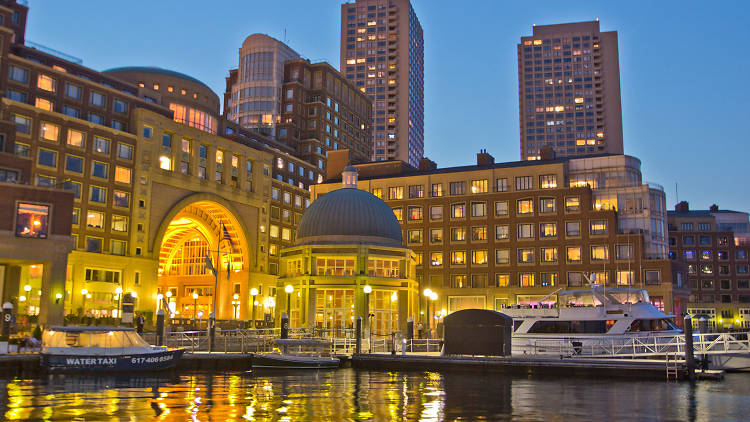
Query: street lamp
x,y
289,289
253,293
118,291
159,298
427,294
236,304
84,293
433,297
195,304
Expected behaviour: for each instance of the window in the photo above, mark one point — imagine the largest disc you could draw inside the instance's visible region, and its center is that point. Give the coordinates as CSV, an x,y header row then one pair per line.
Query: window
x,y
99,169
74,187
124,151
96,118
415,213
47,158
23,124
14,95
98,194
416,191
119,106
73,91
399,213
458,234
396,192
502,280
458,210
502,256
525,231
119,223
76,138
436,259
572,204
526,255
705,240
573,253
548,254
526,279
101,145
502,184
686,227
286,234
457,188
46,83
547,205
98,99
599,253
123,175
378,192
479,233
688,240
547,230
375,267
525,206
458,281
95,219
436,235
18,74
478,209
71,111
548,181
624,278
74,164
598,227
575,279
706,255
524,183
479,257
437,190
273,232
479,186
652,277
741,255
501,209
548,279
93,244
458,258
414,236
436,212
742,269
44,104
22,150
572,228
502,232
623,252
32,220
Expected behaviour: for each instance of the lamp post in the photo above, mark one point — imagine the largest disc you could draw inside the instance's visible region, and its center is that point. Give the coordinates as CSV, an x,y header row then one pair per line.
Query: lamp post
x,y
84,293
253,293
159,298
118,292
236,305
427,294
195,304
168,295
433,297
289,289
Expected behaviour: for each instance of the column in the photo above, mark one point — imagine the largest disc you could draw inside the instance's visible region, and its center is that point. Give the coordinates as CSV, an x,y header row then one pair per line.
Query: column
x,y
12,283
53,282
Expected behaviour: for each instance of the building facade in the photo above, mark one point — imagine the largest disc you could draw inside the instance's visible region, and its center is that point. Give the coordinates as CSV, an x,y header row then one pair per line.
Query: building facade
x,y
569,91
382,51
499,234
717,260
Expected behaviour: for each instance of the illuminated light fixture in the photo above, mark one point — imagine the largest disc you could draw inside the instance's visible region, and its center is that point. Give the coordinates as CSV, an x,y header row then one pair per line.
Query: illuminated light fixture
x,y
27,288
289,288
253,292
84,292
168,294
394,297
164,162
195,296
58,296
88,296
133,295
428,292
22,298
368,289
236,296
118,290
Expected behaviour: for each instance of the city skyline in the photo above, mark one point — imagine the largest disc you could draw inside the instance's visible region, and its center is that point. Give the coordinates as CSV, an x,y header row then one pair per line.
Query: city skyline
x,y
658,39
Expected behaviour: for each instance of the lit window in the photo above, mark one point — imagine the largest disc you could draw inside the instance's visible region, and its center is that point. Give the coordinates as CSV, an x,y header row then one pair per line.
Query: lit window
x,y
95,219
32,220
49,132
525,206
119,223
123,175
573,253
76,138
43,103
101,145
46,83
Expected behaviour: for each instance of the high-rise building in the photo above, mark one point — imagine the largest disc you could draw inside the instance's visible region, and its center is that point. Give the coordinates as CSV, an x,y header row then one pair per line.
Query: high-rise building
x,y
255,87
382,51
569,91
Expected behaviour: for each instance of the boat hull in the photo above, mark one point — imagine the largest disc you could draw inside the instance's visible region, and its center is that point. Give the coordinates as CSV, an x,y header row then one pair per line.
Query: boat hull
x,y
731,362
279,361
142,362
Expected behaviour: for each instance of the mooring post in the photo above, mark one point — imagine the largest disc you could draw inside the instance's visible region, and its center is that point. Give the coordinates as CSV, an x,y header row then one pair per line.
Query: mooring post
x,y
358,333
689,351
7,318
160,327
284,326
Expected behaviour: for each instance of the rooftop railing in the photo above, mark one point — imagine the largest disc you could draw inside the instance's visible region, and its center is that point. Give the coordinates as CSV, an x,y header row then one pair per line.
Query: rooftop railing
x,y
53,52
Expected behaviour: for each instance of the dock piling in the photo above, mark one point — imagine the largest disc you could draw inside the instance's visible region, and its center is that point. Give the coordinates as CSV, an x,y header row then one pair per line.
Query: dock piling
x,y
689,348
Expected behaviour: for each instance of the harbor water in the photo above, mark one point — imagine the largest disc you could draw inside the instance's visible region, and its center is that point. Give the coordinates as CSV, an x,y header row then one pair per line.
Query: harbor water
x,y
356,395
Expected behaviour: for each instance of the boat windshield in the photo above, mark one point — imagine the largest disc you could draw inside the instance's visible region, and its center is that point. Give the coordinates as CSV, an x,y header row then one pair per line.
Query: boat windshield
x,y
105,339
597,297
652,325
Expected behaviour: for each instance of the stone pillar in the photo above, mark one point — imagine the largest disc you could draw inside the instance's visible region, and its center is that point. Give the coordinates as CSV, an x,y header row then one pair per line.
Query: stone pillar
x,y
53,282
12,282
310,314
403,310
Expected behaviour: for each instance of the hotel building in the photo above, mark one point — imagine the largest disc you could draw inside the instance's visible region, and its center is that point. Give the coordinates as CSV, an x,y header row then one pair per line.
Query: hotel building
x,y
569,91
382,52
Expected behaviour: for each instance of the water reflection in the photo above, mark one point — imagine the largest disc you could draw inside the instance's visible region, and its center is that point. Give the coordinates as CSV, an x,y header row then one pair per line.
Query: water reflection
x,y
366,395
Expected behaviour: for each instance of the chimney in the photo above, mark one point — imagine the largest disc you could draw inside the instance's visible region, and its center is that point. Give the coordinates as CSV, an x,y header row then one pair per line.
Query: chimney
x,y
714,208
682,207
349,177
425,164
546,153
484,159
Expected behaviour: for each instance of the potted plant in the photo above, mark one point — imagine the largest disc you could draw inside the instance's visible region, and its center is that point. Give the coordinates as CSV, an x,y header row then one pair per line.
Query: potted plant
x,y
3,345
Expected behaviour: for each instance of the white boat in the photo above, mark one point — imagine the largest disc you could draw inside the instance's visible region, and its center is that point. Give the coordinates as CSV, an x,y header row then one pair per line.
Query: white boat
x,y
103,349
297,354
608,323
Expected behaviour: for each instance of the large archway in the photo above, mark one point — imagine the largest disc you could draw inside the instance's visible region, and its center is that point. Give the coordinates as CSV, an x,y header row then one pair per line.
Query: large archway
x,y
192,234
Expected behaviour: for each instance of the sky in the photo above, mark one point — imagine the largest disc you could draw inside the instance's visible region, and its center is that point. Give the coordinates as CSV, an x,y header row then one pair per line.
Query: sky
x,y
683,69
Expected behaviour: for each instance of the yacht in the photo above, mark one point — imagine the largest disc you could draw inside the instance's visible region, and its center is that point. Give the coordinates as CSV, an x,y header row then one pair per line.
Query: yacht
x,y
83,348
608,323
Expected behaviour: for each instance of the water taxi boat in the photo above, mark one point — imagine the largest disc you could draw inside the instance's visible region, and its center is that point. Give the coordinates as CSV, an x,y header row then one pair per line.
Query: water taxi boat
x,y
297,354
103,349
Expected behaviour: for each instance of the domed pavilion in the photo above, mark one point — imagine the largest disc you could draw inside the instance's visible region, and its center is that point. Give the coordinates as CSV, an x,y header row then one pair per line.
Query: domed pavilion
x,y
349,260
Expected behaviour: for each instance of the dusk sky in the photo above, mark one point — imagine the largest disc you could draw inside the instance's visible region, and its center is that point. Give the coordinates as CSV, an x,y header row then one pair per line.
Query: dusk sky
x,y
684,69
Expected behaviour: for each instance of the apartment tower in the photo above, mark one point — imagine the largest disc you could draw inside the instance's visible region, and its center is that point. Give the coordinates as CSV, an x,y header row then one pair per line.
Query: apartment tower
x,y
382,51
569,91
